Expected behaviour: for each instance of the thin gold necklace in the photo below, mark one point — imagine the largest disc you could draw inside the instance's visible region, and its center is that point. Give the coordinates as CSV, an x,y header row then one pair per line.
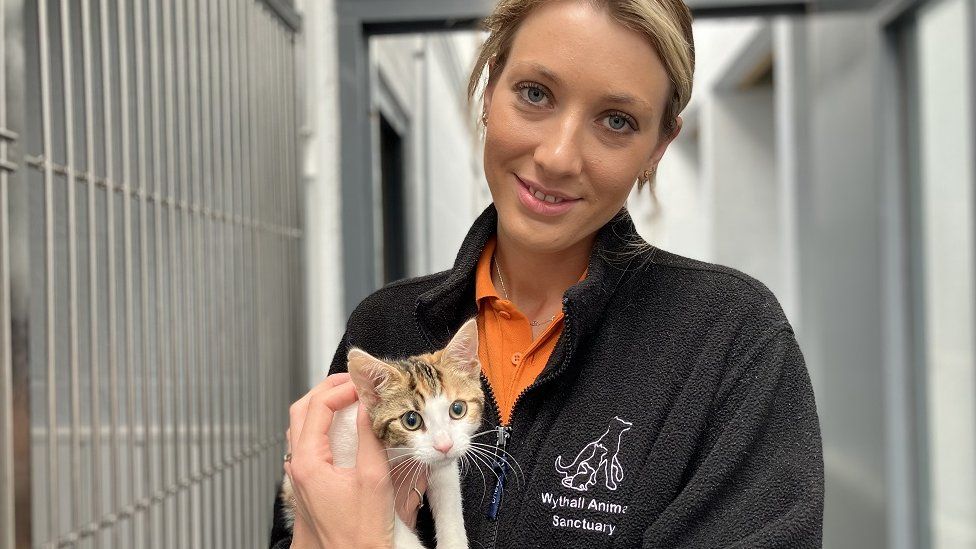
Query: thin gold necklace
x,y
501,280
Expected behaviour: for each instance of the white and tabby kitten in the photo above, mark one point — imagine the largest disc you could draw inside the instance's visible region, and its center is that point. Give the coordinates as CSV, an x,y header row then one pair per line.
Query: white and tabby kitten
x,y
424,409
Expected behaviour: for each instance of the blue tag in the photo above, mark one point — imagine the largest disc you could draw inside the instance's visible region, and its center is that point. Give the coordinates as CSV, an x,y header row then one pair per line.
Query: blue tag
x,y
501,469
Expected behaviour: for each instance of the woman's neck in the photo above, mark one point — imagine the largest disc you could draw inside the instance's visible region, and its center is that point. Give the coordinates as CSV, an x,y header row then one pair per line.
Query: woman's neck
x,y
535,281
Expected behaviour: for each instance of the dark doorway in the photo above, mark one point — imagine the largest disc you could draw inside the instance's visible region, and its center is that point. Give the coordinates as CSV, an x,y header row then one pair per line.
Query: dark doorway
x,y
394,229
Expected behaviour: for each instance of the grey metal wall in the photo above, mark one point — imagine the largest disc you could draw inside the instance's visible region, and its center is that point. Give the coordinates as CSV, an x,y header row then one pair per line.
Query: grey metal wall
x,y
840,272
150,234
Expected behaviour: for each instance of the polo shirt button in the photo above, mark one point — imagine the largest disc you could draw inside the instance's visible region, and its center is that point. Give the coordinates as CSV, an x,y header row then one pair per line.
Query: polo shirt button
x,y
504,314
517,359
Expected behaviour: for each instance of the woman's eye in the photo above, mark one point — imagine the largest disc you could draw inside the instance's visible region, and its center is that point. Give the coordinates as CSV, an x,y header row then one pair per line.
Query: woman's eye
x,y
458,409
411,420
618,122
532,94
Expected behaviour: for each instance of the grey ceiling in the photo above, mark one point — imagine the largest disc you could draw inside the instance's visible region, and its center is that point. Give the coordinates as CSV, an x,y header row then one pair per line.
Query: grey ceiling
x,y
723,8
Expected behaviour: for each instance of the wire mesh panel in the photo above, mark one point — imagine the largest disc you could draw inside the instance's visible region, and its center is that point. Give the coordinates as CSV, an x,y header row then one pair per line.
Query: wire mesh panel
x,y
159,161
14,479
7,491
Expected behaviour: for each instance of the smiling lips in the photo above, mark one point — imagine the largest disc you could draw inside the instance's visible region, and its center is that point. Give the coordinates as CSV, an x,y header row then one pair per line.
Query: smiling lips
x,y
542,203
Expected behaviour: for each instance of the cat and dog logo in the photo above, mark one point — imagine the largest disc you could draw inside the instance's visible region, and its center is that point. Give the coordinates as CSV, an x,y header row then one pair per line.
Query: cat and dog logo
x,y
596,460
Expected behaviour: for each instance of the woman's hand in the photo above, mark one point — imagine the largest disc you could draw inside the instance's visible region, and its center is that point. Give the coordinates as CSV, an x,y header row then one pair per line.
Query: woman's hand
x,y
408,501
337,507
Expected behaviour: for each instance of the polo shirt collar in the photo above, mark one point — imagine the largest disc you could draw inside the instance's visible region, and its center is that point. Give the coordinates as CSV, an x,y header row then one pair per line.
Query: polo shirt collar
x,y
442,310
484,288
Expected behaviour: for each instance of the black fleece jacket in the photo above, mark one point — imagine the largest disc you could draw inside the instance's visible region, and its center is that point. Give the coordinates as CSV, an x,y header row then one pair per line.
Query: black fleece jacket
x,y
675,411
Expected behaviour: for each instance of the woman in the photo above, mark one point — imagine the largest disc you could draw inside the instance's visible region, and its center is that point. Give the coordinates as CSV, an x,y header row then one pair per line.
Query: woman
x,y
648,399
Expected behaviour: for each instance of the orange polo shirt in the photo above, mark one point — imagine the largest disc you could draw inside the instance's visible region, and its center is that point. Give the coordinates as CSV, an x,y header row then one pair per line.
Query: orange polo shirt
x,y
510,359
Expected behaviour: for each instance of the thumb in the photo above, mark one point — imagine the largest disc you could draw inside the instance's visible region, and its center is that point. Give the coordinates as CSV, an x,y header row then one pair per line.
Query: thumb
x,y
371,455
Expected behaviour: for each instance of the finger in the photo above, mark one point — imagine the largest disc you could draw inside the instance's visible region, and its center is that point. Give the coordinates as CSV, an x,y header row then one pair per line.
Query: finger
x,y
405,479
422,483
412,487
296,414
336,379
329,383
371,455
298,410
321,410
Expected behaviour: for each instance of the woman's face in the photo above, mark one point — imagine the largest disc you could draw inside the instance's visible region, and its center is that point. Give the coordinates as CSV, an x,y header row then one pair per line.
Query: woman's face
x,y
573,119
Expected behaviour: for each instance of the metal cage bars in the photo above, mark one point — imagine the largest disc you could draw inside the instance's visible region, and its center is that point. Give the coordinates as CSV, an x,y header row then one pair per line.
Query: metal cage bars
x,y
13,337
160,176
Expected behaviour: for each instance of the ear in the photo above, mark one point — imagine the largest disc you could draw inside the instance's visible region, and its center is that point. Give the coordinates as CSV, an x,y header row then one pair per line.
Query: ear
x,y
662,145
369,374
462,352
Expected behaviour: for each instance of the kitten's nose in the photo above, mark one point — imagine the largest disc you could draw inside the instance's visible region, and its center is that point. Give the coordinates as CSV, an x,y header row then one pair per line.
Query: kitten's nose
x,y
444,446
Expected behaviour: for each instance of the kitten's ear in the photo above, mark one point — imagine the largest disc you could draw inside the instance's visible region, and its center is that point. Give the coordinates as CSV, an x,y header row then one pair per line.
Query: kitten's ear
x,y
462,351
369,374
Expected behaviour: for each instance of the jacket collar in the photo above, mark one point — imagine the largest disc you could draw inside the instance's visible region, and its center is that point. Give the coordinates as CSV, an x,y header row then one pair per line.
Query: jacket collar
x,y
441,310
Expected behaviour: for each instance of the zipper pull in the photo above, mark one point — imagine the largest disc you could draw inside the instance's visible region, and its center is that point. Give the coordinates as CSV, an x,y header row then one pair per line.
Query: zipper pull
x,y
500,467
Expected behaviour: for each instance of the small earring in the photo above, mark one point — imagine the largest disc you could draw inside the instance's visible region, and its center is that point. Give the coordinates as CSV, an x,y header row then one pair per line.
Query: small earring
x,y
484,118
645,177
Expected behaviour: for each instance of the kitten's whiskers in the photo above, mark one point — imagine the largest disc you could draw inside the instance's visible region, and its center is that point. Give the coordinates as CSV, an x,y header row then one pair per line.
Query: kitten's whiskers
x,y
479,458
399,465
490,448
491,458
484,481
416,476
415,465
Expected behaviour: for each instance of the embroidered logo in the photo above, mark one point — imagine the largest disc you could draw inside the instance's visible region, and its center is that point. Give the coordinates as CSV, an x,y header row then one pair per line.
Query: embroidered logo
x,y
595,459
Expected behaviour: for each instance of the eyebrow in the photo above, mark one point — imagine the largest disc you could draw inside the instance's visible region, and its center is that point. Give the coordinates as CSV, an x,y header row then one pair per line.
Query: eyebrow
x,y
620,98
627,100
542,69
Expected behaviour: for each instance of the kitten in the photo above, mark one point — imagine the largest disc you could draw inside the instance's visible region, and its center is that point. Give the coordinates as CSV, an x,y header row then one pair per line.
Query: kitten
x,y
424,409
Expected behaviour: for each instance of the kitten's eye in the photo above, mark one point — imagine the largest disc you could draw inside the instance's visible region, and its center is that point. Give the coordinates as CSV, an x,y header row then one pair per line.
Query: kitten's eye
x,y
411,420
458,409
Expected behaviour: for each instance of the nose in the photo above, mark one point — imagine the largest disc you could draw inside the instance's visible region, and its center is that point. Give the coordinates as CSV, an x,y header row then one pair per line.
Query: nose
x,y
444,445
559,152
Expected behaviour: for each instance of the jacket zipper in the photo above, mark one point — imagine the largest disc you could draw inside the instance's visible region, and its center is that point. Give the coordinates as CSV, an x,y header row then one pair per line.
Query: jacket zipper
x,y
556,371
504,433
500,468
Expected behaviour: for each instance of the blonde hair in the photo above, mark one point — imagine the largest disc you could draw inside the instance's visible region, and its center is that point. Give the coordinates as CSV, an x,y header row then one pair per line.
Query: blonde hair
x,y
665,23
